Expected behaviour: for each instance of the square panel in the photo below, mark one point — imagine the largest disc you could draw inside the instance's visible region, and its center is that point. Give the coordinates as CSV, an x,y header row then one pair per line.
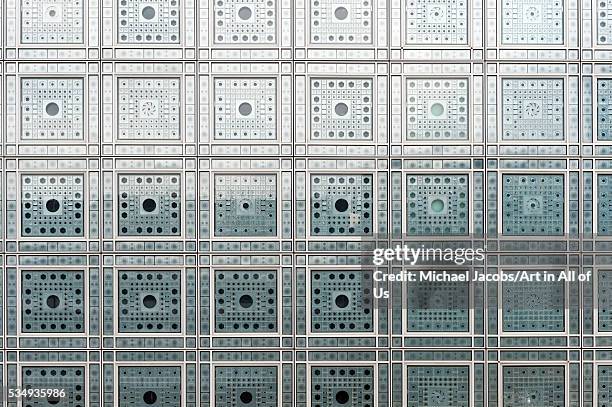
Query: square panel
x,y
604,205
149,205
341,301
532,109
71,379
348,22
604,109
438,386
245,108
52,205
532,306
527,22
246,386
604,384
146,385
533,205
342,386
245,205
246,301
149,21
437,204
341,109
245,22
438,306
52,108
51,21
534,385
149,301
604,300
438,22
149,108
52,301
437,109
341,204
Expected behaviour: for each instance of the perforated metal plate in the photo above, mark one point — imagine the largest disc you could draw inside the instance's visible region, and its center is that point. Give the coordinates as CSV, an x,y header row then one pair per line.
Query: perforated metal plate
x,y
149,22
532,22
542,386
348,22
604,385
52,301
604,205
52,108
341,301
149,385
341,109
437,109
436,22
149,205
604,300
334,386
149,108
250,22
437,204
341,205
246,301
69,378
533,204
604,109
438,306
250,386
51,21
532,109
52,205
245,109
438,386
245,205
149,301
604,22
533,306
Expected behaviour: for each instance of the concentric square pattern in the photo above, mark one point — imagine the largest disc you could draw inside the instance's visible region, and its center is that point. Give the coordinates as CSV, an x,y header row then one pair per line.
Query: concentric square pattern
x,y
52,109
341,205
149,21
52,205
149,108
437,109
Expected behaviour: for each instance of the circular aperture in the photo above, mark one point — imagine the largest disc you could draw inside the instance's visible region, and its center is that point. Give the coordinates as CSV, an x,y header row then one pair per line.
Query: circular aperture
x,y
53,301
52,109
246,397
149,205
437,205
149,397
437,109
342,397
341,109
246,301
245,13
148,13
341,205
53,400
52,13
342,301
52,205
149,301
533,204
245,109
341,13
